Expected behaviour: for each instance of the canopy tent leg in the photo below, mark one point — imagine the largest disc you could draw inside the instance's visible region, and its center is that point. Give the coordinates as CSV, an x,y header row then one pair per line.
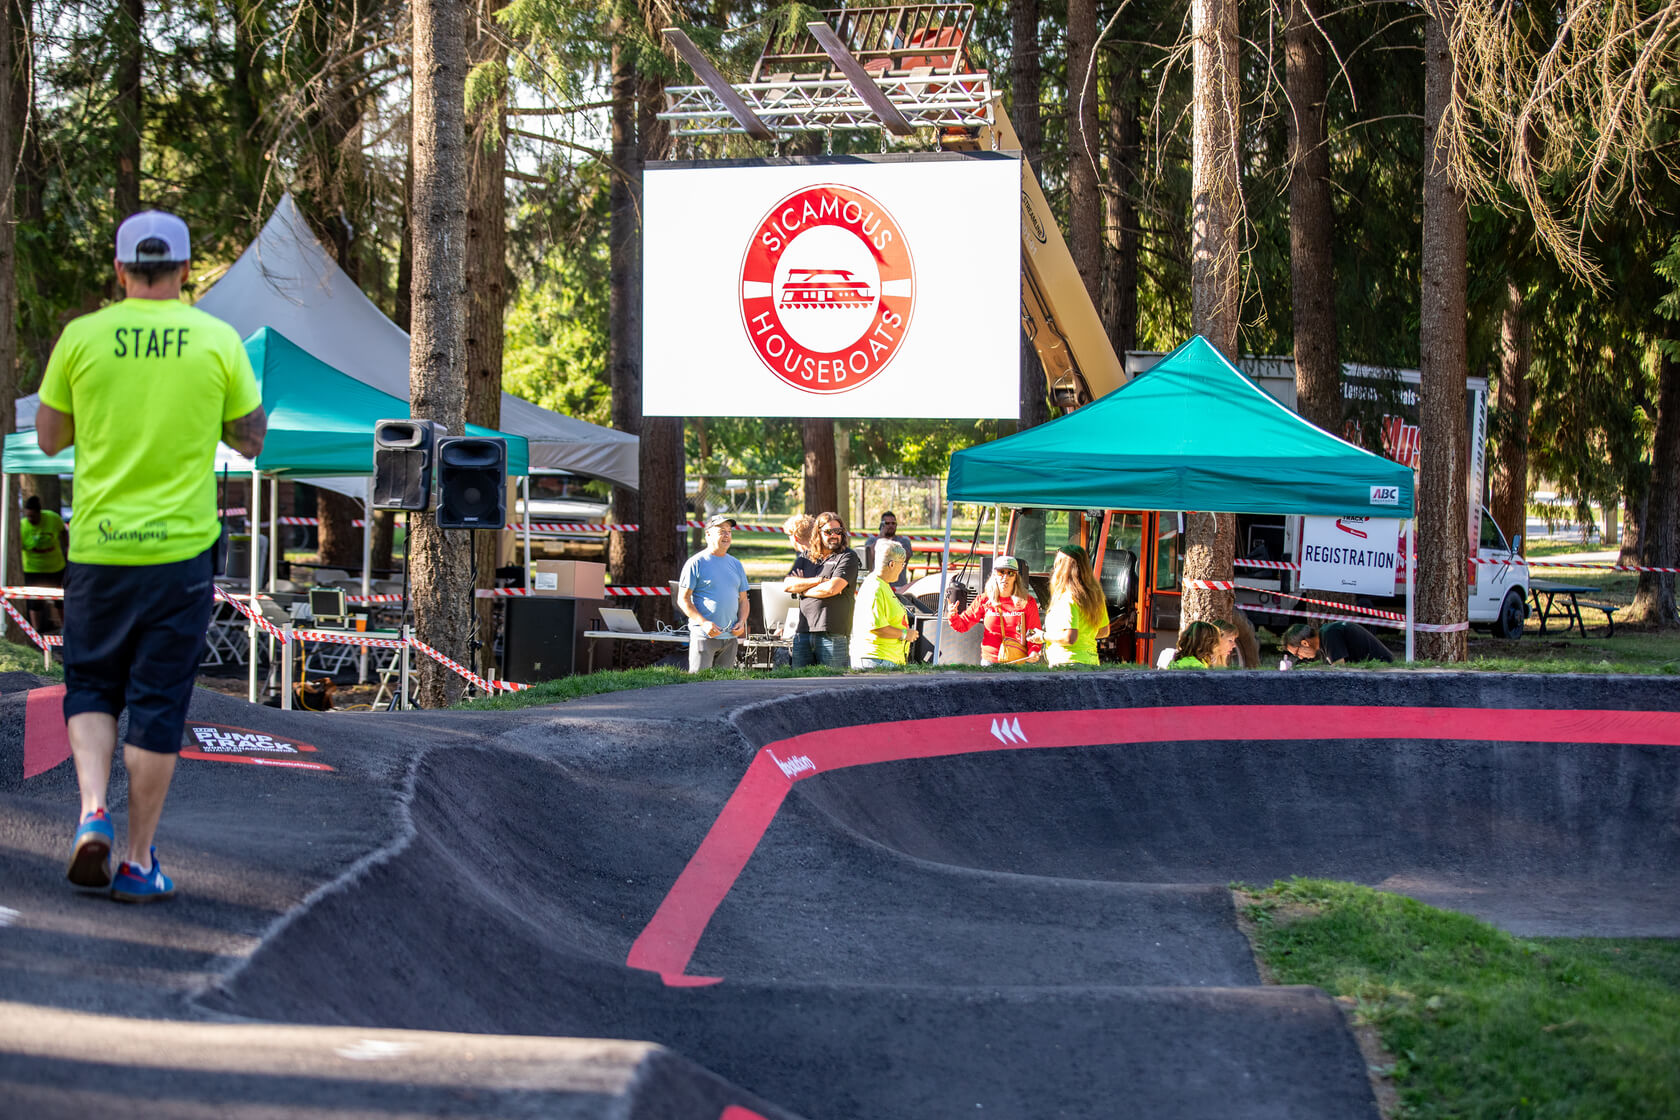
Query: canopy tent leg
x,y
286,670
251,646
944,574
5,525
367,571
273,531
1411,588
525,525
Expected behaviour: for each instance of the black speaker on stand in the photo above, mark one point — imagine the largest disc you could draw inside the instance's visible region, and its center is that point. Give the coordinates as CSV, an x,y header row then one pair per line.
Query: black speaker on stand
x,y
403,463
472,482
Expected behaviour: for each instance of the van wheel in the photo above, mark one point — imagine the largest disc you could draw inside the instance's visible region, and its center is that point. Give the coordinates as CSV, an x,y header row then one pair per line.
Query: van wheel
x,y
1509,622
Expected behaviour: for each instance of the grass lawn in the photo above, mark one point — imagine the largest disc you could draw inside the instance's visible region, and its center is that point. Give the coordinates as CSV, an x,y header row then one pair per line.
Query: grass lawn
x,y
27,659
1477,1022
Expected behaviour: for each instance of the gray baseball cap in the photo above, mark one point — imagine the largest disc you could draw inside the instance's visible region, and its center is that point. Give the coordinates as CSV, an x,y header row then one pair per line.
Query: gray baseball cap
x,y
140,235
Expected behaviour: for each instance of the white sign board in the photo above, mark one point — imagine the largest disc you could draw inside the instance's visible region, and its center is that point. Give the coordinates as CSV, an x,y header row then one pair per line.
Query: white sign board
x,y
854,287
1358,555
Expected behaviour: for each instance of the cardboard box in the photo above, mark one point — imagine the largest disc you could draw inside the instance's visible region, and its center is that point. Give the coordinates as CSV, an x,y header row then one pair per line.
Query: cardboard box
x,y
570,579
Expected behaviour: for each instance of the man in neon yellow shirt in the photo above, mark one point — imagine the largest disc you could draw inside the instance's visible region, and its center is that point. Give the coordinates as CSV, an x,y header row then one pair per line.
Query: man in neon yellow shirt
x,y
42,535
143,389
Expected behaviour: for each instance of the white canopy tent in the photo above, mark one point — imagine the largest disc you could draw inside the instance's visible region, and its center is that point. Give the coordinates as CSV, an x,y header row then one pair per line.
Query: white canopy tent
x,y
286,280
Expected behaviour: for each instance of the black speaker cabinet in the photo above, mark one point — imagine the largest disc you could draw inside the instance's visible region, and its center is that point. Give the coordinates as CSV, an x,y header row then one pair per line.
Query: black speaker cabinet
x,y
402,463
539,638
472,483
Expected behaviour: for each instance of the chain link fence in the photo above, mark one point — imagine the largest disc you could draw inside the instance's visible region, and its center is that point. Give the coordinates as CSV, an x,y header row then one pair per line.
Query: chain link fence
x,y
917,501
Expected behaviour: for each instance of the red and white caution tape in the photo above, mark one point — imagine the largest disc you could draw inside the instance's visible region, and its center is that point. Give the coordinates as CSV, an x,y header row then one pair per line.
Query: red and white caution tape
x,y
1585,565
32,592
365,599
347,638
570,527
1352,607
456,666
1210,585
23,624
263,624
1270,565
525,593
1420,627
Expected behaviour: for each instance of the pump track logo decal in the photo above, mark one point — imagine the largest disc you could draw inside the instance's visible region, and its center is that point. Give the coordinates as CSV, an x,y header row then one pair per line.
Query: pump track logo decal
x,y
220,743
827,289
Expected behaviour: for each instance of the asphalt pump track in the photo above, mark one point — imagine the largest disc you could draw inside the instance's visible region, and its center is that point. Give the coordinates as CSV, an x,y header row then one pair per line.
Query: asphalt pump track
x,y
965,895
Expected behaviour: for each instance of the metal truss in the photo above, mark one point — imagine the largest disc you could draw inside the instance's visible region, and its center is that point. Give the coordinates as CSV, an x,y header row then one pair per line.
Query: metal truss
x,y
832,105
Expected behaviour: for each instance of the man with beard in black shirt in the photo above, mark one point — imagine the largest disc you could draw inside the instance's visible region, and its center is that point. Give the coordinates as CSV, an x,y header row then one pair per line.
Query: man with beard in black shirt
x,y
826,599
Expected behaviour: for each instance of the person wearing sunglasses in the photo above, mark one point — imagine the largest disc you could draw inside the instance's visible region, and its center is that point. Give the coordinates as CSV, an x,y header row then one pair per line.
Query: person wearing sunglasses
x,y
827,599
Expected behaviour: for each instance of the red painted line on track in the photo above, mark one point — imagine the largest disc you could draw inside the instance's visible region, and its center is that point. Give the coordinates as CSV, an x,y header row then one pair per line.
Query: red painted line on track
x,y
667,943
249,760
46,742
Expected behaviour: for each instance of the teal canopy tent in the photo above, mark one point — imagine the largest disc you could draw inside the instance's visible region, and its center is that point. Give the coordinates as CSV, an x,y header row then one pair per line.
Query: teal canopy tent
x,y
320,421
1192,433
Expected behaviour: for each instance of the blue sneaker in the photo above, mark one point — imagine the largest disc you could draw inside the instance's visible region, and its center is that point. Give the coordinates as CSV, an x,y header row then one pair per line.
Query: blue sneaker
x,y
137,884
90,851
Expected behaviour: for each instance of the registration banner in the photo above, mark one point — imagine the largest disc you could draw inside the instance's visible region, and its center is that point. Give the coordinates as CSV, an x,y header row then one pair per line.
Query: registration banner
x,y
884,286
1358,555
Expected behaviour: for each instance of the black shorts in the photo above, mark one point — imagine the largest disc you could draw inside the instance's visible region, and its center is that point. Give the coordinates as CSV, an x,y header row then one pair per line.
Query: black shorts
x,y
133,638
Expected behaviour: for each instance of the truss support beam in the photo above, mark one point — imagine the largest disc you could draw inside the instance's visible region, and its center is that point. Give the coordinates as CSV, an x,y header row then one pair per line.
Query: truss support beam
x,y
707,73
862,83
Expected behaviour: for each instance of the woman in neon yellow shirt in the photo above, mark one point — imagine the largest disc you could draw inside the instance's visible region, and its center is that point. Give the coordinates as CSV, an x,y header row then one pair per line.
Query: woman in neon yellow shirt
x,y
1077,616
885,618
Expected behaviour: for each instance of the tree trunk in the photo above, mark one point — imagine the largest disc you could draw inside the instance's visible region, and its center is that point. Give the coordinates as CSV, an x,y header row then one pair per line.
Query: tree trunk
x,y
247,98
1443,545
1510,417
127,108
1026,80
437,361
1084,145
1635,504
820,482
403,304
624,365
664,507
339,535
1659,537
1318,373
486,290
10,41
1215,295
1035,404
1125,149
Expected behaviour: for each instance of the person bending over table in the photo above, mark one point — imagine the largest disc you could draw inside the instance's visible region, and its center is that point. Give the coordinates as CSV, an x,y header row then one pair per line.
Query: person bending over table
x,y
1335,643
885,618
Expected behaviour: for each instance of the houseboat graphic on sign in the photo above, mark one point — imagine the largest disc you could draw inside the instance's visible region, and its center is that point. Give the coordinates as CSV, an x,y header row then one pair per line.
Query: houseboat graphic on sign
x,y
823,287
828,287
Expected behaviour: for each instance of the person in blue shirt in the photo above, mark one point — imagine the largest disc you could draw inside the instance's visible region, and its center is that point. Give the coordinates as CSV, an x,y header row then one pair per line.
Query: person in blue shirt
x,y
712,592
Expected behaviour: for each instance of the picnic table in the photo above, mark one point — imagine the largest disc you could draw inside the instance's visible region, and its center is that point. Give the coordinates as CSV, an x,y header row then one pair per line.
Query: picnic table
x,y
1551,597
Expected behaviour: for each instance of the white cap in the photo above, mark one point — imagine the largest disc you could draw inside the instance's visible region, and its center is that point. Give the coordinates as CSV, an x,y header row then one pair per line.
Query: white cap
x,y
148,225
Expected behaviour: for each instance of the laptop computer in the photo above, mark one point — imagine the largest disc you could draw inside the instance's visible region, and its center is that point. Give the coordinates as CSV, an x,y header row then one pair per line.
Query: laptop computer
x,y
620,620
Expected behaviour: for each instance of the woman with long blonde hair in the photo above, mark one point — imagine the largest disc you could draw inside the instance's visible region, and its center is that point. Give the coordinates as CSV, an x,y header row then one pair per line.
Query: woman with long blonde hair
x,y
1077,616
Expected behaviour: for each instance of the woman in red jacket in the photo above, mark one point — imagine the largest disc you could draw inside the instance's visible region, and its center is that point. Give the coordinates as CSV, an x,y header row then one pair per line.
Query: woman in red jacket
x,y
1008,611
